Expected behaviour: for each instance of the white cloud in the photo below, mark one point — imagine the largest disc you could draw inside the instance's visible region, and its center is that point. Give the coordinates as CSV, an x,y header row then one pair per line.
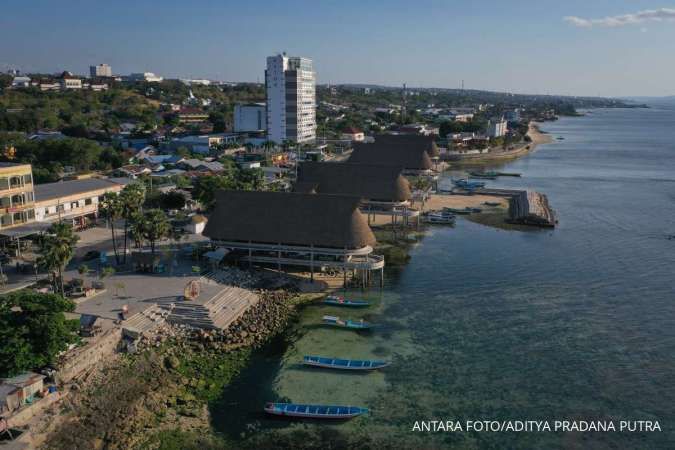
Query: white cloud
x,y
648,15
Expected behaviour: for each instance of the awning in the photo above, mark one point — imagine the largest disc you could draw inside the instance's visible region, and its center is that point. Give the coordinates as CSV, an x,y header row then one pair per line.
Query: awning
x,y
25,230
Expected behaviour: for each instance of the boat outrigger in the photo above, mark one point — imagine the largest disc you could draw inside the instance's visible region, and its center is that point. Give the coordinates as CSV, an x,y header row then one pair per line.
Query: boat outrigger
x,y
336,300
343,364
490,175
314,411
354,324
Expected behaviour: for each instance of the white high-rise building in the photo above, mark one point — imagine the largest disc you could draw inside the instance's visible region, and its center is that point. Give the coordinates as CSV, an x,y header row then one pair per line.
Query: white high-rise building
x,y
290,84
102,70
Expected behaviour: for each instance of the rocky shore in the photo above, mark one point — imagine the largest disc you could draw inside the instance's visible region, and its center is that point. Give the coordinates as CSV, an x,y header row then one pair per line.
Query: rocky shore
x,y
161,394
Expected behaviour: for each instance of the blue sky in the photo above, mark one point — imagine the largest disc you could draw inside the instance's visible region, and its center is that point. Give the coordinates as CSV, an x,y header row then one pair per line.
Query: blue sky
x,y
506,45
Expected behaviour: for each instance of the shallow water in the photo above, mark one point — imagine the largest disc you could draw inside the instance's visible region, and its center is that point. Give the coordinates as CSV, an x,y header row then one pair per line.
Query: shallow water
x,y
483,324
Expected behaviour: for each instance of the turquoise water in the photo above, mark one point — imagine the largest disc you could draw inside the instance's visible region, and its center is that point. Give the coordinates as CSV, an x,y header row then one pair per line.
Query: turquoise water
x,y
577,323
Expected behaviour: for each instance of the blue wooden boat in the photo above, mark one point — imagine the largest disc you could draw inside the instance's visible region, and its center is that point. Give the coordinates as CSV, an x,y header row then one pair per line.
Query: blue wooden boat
x,y
354,324
314,411
343,364
466,184
336,300
461,212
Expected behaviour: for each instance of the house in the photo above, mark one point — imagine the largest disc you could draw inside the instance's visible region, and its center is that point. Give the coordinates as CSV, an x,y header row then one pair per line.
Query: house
x,y
148,77
201,166
19,390
353,134
133,171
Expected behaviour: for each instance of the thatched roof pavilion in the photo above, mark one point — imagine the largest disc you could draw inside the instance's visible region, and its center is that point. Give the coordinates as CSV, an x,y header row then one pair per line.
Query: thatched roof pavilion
x,y
292,219
411,152
371,182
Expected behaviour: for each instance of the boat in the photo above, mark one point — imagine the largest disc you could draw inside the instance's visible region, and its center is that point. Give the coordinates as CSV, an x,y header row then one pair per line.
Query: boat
x,y
463,211
490,175
343,364
491,203
466,184
439,217
336,300
354,324
509,174
314,411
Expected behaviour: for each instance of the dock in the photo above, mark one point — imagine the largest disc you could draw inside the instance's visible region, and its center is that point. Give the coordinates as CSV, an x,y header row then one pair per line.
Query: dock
x,y
531,208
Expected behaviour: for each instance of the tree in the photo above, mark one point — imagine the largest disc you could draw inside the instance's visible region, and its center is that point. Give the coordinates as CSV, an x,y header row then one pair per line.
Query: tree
x,y
131,200
111,208
33,330
205,188
58,248
156,226
137,228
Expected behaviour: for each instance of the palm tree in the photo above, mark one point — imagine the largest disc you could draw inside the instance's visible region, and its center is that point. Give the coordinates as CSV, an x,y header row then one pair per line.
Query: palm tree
x,y
131,199
58,248
111,208
156,227
137,228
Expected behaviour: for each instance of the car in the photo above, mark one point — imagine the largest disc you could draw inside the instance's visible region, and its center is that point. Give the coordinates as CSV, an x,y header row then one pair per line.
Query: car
x,y
92,254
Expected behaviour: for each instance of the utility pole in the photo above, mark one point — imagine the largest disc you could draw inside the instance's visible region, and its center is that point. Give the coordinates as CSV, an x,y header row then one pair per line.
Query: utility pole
x,y
405,103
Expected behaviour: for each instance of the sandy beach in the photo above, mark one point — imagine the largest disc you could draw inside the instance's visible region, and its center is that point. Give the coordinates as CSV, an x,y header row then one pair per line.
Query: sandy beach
x,y
537,136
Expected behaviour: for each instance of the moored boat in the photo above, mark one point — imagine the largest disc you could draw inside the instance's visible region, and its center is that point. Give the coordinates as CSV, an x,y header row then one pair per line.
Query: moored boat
x,y
314,411
491,203
509,174
467,184
354,324
442,217
463,211
343,364
490,175
336,300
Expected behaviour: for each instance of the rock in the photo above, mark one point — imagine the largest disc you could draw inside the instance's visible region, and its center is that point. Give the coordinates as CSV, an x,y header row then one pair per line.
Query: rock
x,y
171,362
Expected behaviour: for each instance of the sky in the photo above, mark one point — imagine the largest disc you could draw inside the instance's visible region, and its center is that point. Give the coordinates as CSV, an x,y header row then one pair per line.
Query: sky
x,y
571,47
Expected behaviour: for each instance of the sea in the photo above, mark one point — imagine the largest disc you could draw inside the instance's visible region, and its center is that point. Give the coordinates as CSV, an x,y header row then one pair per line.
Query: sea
x,y
490,328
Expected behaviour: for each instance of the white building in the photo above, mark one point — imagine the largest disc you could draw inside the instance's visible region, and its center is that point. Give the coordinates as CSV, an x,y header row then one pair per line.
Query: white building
x,y
249,117
21,82
290,84
145,76
203,143
102,70
496,128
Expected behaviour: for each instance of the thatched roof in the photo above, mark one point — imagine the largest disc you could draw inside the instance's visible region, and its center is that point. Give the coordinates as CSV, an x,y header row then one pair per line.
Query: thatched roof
x,y
367,181
411,152
289,218
428,143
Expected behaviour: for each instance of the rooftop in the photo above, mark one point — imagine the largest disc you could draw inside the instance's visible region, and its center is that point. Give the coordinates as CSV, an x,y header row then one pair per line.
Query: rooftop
x,y
60,189
366,181
289,218
412,152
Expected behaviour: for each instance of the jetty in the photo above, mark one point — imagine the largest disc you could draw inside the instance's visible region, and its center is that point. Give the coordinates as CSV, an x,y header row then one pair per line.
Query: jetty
x,y
531,208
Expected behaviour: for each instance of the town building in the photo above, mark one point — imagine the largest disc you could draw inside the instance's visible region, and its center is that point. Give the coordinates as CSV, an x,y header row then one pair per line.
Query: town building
x,y
69,81
101,70
204,143
496,127
250,118
318,231
353,134
145,76
19,390
192,115
512,116
75,200
17,197
21,82
290,86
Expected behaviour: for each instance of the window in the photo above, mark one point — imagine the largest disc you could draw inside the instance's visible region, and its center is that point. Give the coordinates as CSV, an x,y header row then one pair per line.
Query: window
x,y
74,205
4,183
28,179
88,201
5,220
15,181
5,202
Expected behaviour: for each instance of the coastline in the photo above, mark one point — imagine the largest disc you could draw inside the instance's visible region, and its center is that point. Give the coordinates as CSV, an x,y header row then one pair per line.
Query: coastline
x,y
534,132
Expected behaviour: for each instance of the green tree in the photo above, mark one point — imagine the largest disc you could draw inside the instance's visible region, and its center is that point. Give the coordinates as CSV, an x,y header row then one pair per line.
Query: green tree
x,y
111,208
205,188
131,200
33,330
156,226
58,248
